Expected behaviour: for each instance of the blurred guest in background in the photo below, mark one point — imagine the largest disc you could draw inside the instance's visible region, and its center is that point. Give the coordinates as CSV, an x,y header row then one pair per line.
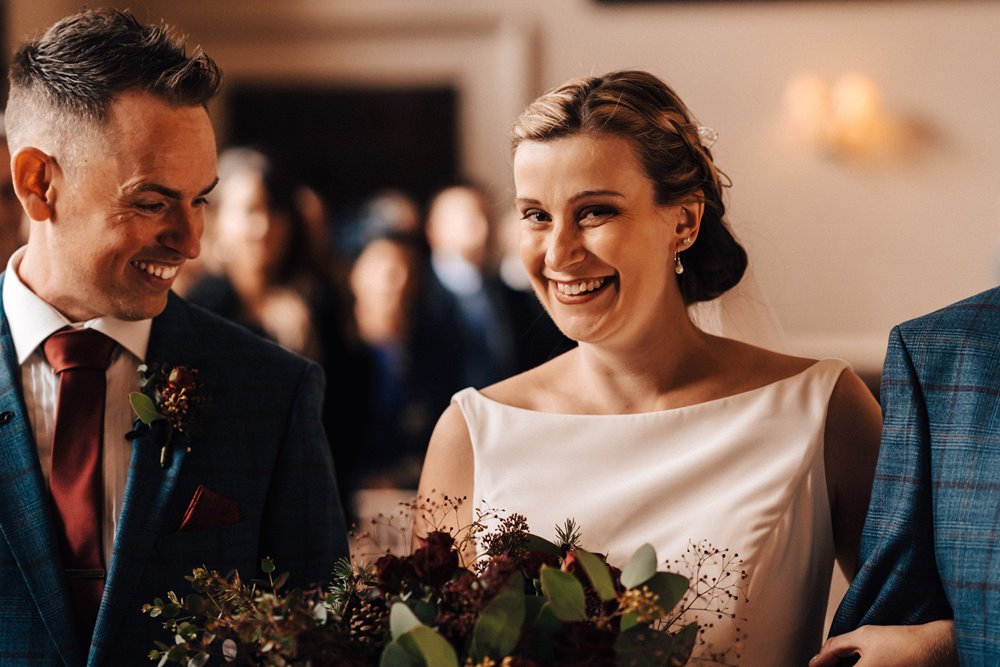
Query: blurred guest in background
x,y
464,330
388,211
12,228
399,417
275,279
536,337
270,281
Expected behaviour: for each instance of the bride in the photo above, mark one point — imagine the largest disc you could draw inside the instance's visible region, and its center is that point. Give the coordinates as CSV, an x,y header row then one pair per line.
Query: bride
x,y
652,430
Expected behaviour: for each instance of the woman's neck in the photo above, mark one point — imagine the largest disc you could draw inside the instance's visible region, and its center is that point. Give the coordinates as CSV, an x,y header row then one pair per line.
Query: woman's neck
x,y
654,374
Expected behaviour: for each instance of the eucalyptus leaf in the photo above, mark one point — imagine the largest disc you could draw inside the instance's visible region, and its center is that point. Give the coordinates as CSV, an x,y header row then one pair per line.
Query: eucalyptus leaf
x,y
541,545
425,611
642,646
432,647
629,621
669,588
144,407
402,620
499,626
544,625
564,593
641,566
598,573
395,655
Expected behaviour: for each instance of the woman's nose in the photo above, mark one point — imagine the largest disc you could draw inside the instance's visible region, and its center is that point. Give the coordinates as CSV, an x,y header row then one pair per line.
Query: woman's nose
x,y
565,247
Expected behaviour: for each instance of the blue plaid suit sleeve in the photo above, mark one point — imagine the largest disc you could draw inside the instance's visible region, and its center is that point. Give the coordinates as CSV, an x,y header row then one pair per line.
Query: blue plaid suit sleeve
x,y
897,580
931,543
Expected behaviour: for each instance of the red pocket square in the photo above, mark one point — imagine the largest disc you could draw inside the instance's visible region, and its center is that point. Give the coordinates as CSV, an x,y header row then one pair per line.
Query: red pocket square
x,y
208,509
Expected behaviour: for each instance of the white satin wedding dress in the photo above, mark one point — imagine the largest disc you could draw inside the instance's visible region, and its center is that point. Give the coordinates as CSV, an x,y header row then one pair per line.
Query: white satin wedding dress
x,y
744,472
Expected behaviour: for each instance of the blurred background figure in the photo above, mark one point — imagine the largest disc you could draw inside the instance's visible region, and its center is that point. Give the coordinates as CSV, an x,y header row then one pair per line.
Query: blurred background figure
x,y
398,416
267,268
13,232
465,328
474,328
386,212
537,338
271,280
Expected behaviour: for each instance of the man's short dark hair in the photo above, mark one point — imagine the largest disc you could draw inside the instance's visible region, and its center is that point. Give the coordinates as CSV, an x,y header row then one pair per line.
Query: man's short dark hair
x,y
82,62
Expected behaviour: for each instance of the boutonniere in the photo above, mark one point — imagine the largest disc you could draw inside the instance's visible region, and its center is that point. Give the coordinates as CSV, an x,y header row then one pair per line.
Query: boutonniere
x,y
171,394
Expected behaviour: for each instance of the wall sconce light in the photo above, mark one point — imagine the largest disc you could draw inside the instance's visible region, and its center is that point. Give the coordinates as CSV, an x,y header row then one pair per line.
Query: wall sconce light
x,y
843,118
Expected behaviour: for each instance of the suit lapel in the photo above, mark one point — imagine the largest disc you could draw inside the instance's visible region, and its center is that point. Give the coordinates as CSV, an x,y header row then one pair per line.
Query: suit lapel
x,y
25,513
147,494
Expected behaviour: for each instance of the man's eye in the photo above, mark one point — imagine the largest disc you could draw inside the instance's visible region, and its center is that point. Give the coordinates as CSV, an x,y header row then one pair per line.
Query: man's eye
x,y
150,207
201,202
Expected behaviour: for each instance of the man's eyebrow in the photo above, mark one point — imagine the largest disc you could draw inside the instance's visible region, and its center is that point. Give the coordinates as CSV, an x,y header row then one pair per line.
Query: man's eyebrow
x,y
170,192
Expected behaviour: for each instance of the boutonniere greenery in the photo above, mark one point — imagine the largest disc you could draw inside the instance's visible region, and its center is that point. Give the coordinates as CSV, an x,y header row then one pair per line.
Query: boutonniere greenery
x,y
171,394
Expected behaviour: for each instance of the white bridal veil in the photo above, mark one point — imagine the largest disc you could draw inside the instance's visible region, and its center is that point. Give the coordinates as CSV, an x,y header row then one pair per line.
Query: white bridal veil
x,y
743,313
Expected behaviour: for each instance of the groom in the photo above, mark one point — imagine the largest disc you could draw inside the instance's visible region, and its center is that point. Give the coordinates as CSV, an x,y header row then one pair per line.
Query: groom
x,y
113,156
931,543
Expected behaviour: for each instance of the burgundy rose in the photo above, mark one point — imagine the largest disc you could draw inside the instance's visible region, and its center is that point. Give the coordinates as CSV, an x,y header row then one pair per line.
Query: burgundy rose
x,y
497,573
392,573
182,378
531,563
436,560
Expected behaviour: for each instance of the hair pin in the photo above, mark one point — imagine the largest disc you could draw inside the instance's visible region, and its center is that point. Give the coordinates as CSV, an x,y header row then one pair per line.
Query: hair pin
x,y
707,136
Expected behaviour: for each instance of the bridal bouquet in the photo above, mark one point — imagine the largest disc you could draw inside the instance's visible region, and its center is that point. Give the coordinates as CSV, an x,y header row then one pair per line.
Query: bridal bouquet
x,y
525,601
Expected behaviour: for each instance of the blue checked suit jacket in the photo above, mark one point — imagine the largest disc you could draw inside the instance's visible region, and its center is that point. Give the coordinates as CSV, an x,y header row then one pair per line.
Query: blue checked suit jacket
x,y
262,446
931,543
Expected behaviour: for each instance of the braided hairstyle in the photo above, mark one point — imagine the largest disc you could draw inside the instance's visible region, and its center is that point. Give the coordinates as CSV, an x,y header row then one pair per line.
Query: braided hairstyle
x,y
639,107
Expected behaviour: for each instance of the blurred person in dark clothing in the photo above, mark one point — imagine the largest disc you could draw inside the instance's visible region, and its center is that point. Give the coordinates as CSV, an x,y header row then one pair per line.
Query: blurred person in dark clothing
x,y
399,413
473,328
276,280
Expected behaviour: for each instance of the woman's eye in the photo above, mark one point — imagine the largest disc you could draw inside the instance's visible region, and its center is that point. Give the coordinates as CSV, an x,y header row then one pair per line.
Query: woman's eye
x,y
596,213
535,216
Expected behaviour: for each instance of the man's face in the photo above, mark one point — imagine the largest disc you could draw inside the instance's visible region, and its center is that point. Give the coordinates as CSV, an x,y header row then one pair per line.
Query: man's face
x,y
129,214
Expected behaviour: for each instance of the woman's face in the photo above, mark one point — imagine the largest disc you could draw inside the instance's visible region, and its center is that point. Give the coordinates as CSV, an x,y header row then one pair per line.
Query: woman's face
x,y
598,249
249,231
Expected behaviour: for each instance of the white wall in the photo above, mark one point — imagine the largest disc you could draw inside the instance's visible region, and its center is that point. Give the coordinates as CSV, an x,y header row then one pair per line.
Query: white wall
x,y
844,249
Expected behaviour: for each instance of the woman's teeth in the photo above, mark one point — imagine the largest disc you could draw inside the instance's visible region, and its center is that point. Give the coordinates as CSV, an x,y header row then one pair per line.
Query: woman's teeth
x,y
159,270
582,287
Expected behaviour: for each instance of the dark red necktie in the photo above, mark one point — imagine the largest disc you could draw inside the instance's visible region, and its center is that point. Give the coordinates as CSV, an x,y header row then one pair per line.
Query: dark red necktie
x,y
80,357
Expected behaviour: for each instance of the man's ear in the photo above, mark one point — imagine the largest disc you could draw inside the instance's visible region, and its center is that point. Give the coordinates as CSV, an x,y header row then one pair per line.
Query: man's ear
x,y
32,171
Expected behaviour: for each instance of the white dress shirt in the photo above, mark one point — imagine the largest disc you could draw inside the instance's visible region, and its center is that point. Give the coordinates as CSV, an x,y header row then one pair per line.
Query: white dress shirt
x,y
32,320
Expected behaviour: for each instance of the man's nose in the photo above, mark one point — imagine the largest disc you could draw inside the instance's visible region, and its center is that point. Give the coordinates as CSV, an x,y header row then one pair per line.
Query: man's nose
x,y
184,233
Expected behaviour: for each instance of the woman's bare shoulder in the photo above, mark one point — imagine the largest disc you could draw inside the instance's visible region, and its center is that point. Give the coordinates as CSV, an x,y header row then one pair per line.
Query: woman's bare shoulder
x,y
748,366
532,389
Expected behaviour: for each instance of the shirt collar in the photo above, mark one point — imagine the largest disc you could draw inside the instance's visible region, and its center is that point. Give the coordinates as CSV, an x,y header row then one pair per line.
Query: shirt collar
x,y
32,319
458,275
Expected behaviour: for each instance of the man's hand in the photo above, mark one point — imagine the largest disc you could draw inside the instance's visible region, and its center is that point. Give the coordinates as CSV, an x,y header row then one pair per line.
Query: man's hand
x,y
928,645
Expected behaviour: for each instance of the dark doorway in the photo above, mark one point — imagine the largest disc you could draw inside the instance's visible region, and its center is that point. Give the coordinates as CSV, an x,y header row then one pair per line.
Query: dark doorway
x,y
349,143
